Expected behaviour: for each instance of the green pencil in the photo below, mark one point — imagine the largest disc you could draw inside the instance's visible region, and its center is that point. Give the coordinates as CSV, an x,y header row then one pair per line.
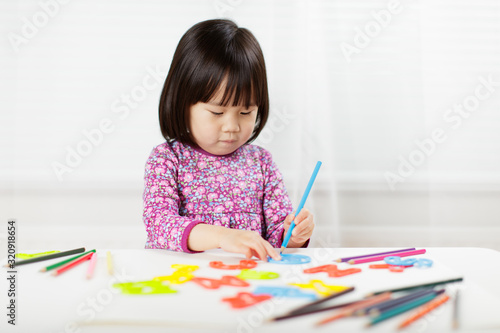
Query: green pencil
x,y
48,268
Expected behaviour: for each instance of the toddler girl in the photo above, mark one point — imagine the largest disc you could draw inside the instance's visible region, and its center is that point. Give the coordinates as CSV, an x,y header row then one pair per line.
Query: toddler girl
x,y
207,187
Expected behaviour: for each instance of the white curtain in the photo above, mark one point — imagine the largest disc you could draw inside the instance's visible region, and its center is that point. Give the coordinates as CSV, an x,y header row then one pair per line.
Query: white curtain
x,y
400,100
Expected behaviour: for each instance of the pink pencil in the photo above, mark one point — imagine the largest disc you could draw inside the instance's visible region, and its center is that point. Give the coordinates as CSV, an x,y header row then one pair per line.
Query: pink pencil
x,y
377,258
90,270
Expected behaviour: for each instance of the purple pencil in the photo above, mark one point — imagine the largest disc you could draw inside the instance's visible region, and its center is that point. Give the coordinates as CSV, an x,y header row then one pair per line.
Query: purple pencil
x,y
373,254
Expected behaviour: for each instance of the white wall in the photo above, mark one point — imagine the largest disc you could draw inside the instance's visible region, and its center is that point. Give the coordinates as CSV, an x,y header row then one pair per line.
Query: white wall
x,y
377,90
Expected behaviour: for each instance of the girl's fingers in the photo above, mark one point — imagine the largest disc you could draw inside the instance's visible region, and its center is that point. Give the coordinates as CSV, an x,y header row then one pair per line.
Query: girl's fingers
x,y
272,252
302,215
255,254
288,219
248,253
301,226
261,250
304,234
303,218
250,244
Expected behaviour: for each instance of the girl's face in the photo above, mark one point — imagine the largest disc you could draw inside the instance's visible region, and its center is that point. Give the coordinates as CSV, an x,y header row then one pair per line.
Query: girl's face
x,y
220,130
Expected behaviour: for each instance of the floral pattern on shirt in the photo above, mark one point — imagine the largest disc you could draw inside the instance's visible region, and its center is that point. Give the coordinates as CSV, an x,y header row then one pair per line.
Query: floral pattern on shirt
x,y
185,186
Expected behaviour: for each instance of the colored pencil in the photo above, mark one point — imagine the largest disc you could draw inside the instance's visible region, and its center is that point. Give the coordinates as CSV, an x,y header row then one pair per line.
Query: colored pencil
x,y
64,262
311,310
350,310
50,256
401,309
423,310
311,305
395,301
423,285
402,300
381,257
90,270
455,319
73,263
110,263
301,205
34,255
373,254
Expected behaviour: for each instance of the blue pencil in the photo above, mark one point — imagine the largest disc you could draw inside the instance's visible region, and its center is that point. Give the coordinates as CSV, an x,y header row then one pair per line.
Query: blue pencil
x,y
301,205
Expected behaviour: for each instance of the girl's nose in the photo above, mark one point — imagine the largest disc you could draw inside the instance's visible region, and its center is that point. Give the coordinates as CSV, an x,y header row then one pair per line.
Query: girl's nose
x,y
230,125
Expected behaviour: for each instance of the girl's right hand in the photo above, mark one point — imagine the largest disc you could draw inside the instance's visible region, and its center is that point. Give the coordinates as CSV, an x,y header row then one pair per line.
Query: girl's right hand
x,y
249,243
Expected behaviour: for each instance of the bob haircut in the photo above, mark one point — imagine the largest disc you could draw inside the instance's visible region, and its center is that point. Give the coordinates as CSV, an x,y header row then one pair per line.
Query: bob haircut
x,y
212,53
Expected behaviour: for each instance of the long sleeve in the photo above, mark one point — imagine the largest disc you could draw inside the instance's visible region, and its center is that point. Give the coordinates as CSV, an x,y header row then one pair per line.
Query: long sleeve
x,y
166,229
276,204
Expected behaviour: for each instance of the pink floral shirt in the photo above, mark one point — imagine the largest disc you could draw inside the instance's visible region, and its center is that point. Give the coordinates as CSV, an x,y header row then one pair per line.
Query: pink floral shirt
x,y
185,186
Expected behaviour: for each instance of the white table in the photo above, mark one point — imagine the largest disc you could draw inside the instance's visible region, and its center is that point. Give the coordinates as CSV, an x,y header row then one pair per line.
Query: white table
x,y
71,303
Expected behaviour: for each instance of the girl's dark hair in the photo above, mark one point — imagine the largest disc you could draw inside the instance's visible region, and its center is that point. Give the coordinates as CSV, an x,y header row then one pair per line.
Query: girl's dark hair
x,y
208,54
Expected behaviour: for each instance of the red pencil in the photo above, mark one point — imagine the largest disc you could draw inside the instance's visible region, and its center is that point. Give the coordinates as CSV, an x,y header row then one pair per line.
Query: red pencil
x,y
75,262
377,258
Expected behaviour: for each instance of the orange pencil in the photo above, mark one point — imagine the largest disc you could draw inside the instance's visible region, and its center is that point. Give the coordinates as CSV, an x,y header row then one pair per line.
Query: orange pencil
x,y
424,309
350,309
73,263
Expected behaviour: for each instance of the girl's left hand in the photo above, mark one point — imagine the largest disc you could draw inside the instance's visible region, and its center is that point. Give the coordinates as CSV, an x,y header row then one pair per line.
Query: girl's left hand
x,y
304,226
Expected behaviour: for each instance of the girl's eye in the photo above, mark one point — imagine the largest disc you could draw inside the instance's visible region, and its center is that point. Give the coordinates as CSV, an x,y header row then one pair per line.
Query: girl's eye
x,y
216,113
246,113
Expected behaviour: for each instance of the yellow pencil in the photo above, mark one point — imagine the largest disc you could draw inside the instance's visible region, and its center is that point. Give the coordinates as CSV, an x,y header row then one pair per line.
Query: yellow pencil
x,y
110,263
